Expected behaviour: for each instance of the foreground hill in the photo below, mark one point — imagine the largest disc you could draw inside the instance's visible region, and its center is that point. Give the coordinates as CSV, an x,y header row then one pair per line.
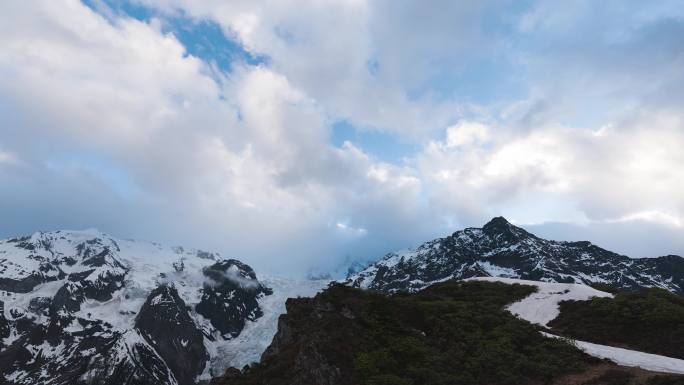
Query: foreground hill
x,y
455,332
650,320
82,307
500,249
637,316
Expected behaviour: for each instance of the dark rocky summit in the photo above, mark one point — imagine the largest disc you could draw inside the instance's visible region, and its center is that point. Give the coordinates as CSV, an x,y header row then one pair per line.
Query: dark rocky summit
x,y
167,327
502,249
229,297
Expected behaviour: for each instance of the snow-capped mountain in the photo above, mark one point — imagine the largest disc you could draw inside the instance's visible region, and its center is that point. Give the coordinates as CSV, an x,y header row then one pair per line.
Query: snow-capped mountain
x,y
81,307
501,249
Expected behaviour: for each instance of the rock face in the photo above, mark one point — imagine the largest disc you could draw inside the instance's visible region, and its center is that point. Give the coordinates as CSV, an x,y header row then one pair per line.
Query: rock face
x,y
126,359
503,250
230,296
81,307
165,324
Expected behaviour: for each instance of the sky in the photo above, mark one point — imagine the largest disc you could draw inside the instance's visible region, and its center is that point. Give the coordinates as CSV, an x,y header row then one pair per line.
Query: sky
x,y
303,135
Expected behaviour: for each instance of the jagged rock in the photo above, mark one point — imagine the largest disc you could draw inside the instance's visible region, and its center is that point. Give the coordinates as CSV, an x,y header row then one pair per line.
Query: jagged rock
x,y
79,308
68,299
165,324
230,296
128,360
4,324
502,249
23,285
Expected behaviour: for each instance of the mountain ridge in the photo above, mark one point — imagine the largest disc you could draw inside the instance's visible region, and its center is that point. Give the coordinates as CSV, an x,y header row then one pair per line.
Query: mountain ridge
x,y
82,307
503,250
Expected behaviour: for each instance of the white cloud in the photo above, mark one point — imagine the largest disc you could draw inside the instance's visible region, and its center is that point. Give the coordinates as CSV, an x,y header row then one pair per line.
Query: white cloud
x,y
243,166
7,158
623,173
241,162
653,216
466,133
367,61
345,228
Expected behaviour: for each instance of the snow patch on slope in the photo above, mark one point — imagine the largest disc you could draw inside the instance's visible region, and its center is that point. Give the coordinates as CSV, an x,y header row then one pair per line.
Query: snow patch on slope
x,y
541,307
498,271
248,346
626,357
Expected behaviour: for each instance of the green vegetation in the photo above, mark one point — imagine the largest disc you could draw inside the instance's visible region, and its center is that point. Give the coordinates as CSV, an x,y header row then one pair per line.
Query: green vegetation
x,y
605,287
451,333
457,333
649,320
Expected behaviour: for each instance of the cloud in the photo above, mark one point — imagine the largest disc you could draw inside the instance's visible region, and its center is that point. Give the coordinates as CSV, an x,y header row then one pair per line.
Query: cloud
x,y
617,172
634,237
466,133
109,121
7,158
240,164
370,63
349,230
656,217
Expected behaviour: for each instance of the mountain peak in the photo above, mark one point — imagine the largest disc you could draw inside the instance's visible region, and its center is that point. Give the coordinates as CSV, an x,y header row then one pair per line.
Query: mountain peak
x,y
504,250
497,223
500,226
503,231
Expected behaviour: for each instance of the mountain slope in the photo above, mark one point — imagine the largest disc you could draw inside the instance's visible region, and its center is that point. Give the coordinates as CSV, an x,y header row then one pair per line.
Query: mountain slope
x,y
456,332
648,320
503,250
642,322
81,307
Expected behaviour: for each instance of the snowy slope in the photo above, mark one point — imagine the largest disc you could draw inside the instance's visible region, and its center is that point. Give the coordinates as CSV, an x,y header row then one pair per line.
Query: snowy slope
x,y
247,347
71,299
542,307
145,265
626,357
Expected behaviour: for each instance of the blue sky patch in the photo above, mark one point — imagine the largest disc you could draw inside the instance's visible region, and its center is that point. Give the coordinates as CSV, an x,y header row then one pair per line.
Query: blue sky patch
x,y
202,38
383,146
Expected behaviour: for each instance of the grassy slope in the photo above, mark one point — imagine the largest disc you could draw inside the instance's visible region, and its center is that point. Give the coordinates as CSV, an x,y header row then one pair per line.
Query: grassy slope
x,y
650,320
450,333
